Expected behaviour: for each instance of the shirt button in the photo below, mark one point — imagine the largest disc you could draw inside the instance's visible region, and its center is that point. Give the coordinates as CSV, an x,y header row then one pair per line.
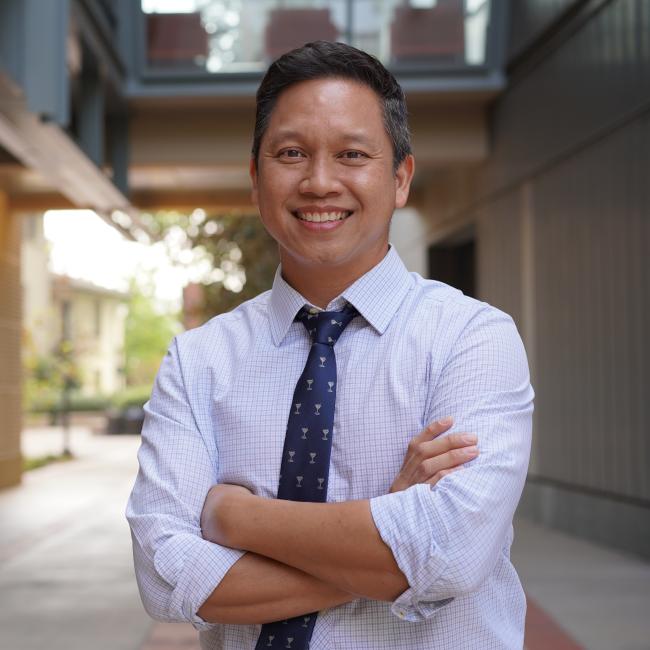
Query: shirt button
x,y
401,613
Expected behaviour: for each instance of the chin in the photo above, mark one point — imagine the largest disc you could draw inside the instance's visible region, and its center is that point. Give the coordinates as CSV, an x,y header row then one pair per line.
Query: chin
x,y
329,256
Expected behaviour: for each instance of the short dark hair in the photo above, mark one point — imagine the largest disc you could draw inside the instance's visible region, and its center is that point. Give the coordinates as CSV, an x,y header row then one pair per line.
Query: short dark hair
x,y
322,59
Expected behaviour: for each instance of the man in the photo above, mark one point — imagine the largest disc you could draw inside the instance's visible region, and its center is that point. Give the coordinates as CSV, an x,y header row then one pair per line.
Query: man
x,y
405,553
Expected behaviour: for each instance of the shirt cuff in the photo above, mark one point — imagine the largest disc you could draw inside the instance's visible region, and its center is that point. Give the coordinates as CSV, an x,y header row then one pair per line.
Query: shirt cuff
x,y
410,527
194,567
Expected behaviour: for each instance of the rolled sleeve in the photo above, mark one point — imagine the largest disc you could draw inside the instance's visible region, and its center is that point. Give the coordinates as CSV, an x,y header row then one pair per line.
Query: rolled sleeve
x,y
417,538
446,538
175,567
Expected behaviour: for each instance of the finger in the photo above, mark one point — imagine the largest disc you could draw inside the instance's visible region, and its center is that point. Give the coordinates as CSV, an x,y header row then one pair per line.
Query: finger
x,y
451,459
417,451
441,474
431,448
435,428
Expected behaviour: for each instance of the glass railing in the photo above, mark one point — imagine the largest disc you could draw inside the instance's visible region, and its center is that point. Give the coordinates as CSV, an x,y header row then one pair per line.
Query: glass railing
x,y
230,36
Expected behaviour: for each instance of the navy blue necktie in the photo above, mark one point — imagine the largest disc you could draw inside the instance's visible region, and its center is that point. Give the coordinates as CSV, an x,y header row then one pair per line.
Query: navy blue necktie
x,y
307,447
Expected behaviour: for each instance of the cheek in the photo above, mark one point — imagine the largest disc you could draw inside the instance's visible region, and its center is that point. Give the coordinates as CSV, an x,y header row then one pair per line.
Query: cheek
x,y
373,178
377,190
270,198
275,193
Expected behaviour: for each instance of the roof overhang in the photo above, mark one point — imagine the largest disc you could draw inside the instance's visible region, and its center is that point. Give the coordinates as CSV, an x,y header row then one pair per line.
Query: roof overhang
x,y
63,167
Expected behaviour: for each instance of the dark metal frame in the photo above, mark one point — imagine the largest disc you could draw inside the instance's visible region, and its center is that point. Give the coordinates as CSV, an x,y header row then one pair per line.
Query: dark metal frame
x,y
425,77
58,124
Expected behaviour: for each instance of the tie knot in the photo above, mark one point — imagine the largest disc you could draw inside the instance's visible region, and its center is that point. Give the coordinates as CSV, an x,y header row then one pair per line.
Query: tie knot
x,y
326,326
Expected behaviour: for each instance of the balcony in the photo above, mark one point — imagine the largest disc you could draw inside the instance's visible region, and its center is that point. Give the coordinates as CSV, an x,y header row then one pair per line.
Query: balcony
x,y
201,40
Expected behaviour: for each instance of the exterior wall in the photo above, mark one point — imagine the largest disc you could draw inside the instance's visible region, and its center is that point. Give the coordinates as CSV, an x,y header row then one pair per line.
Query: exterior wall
x,y
407,230
10,340
592,237
499,263
112,377
38,311
561,213
97,315
529,20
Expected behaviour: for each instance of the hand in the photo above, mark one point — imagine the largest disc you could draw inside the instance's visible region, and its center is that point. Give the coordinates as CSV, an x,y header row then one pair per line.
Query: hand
x,y
218,506
428,460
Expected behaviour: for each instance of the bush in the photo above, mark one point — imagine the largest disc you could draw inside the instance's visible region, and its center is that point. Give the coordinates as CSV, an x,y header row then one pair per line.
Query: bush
x,y
50,402
41,401
132,396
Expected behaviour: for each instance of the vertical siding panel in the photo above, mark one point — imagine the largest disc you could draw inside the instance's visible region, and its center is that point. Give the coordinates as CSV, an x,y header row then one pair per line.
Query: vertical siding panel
x,y
599,327
499,255
592,283
641,255
540,282
612,220
581,387
625,414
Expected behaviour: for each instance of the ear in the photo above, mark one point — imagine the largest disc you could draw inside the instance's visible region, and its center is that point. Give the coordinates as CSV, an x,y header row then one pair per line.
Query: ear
x,y
252,171
403,178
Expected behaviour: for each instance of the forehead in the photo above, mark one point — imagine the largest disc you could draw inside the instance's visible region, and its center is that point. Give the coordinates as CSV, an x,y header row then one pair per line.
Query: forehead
x,y
328,106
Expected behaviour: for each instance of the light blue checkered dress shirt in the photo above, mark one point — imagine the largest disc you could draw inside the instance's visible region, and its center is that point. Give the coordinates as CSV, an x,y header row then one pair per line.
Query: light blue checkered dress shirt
x,y
422,350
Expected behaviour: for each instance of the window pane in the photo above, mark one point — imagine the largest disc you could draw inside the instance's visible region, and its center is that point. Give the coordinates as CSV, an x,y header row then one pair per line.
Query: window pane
x,y
239,36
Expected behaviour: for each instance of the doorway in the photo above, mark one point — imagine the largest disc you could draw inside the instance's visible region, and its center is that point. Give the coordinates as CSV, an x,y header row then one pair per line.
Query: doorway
x,y
453,261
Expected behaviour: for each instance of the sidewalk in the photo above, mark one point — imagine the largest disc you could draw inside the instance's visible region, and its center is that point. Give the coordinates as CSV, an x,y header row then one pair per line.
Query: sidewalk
x,y
66,577
67,582
600,597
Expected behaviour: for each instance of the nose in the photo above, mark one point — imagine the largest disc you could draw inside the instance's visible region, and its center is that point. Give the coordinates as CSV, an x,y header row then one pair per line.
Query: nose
x,y
321,178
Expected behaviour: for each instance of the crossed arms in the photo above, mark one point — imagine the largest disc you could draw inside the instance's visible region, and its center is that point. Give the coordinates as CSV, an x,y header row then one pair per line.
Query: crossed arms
x,y
420,545
304,557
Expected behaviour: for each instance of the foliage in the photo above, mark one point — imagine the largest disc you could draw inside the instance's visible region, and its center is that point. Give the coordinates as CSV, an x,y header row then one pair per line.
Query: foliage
x,y
147,337
231,255
47,375
49,401
42,461
132,396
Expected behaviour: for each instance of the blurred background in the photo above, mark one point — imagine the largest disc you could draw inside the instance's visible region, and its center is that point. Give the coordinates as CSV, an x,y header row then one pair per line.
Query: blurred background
x,y
125,217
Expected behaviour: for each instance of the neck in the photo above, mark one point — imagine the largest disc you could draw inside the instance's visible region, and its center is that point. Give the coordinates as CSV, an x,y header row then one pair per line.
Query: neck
x,y
320,284
321,295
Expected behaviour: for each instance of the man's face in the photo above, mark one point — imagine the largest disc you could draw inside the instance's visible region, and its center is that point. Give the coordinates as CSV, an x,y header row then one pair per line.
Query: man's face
x,y
324,184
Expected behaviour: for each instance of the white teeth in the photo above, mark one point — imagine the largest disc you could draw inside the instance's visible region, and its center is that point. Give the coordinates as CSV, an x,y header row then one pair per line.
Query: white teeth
x,y
319,217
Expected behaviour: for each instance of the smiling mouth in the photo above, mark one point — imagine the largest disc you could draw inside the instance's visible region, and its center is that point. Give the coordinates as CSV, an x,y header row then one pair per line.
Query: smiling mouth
x,y
321,217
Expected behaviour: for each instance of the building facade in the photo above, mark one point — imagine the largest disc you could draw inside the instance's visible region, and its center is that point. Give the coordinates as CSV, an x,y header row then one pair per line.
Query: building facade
x,y
96,327
531,129
556,226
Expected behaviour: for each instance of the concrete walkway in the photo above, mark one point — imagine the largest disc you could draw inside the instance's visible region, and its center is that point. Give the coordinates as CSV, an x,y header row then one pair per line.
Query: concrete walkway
x,y
67,582
66,577
600,597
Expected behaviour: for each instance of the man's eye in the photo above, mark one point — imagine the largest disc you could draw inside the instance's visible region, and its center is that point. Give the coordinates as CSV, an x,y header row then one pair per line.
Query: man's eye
x,y
353,155
291,153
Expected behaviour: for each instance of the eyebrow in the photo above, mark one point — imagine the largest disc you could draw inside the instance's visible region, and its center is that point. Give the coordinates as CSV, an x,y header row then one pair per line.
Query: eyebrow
x,y
291,134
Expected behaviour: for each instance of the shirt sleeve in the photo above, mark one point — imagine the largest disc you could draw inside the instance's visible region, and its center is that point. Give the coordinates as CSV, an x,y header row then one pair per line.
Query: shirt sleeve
x,y
446,538
175,567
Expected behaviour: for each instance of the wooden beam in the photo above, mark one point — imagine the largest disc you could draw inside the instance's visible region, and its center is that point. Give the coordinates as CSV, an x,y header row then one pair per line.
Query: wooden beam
x,y
144,200
41,202
48,149
238,200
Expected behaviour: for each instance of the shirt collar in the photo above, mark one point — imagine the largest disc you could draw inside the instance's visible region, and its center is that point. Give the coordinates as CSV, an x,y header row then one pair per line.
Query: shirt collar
x,y
376,295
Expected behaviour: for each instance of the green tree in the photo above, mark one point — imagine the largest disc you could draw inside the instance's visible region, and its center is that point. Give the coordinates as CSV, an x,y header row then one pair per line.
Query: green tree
x,y
233,257
45,376
147,337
